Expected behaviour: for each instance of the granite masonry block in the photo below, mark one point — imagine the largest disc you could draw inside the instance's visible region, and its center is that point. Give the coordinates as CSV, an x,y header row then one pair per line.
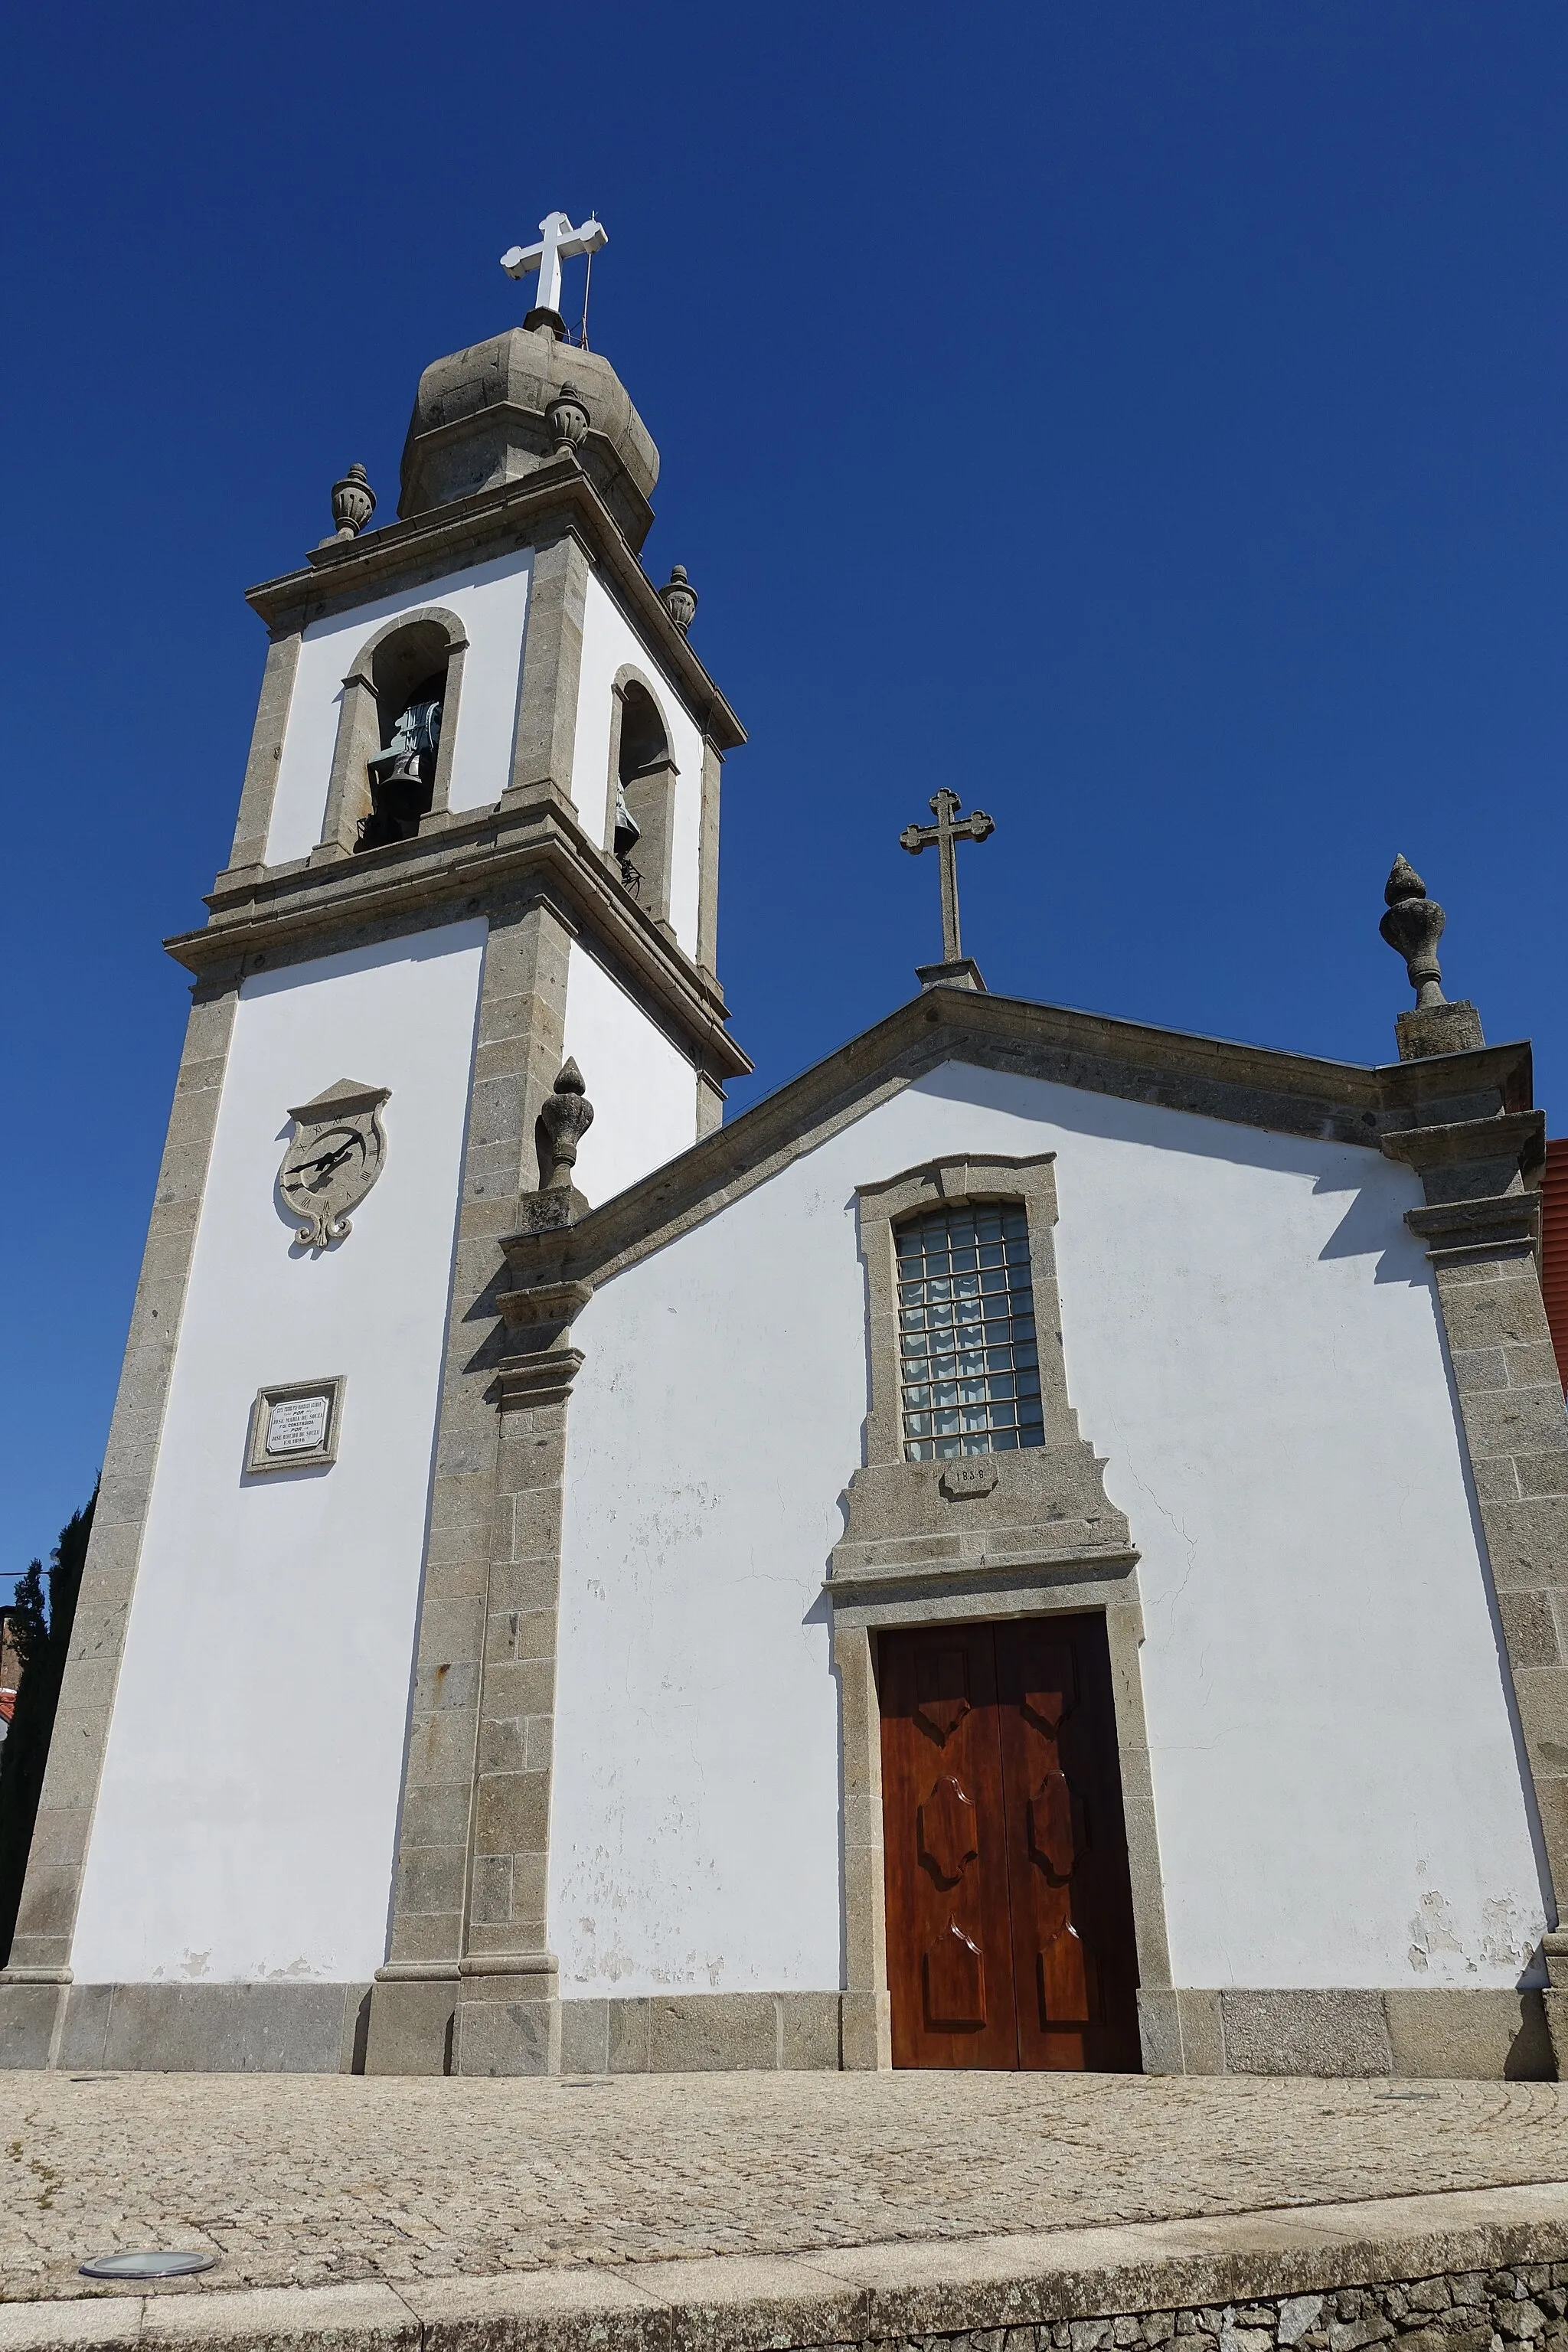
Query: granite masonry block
x,y
489,1897
228,2029
1464,2032
1528,1541
1203,2031
1515,1420
1543,1474
512,1813
520,1687
697,2033
446,1686
435,1813
1306,2032
1497,1480
441,1749
626,2037
503,1746
436,1936
1529,1628
1160,2032
1543,1693
1494,1314
430,1877
808,2031
585,2037
28,2015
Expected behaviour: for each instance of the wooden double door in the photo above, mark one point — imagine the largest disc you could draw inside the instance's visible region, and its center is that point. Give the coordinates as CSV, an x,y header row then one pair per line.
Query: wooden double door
x,y
1010,1935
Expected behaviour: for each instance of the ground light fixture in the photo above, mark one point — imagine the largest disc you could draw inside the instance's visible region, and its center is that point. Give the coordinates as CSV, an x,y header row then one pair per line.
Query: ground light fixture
x,y
151,2265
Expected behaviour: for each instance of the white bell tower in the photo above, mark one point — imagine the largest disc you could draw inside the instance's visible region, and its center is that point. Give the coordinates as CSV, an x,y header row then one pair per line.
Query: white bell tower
x,y
477,842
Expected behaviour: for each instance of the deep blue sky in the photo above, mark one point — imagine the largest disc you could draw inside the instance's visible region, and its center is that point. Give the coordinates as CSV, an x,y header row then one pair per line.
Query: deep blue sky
x,y
1149,419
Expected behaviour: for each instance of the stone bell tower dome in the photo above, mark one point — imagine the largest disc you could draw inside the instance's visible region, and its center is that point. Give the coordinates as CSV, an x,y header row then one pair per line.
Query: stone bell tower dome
x,y
466,941
499,411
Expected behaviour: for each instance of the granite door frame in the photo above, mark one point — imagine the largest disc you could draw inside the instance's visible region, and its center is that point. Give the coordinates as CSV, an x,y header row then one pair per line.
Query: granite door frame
x,y
1025,1534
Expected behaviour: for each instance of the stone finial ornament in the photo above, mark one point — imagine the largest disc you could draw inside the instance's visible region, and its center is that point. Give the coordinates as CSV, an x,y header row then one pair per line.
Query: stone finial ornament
x,y
566,1117
568,420
679,598
354,503
1413,927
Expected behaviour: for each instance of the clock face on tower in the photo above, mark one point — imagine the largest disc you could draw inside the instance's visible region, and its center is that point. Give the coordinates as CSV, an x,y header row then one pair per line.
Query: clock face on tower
x,y
335,1156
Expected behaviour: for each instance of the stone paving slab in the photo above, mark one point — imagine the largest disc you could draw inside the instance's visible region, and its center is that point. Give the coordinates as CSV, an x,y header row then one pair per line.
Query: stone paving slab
x,y
317,2180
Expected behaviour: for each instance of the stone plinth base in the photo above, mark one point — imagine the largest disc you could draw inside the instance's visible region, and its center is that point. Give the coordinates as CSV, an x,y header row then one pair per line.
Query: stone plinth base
x,y
1440,1029
509,2014
185,2029
1449,2033
503,2015
964,973
32,2009
413,2020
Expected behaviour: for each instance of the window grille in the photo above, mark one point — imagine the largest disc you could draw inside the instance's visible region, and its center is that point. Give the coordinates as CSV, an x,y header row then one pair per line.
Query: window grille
x,y
968,1366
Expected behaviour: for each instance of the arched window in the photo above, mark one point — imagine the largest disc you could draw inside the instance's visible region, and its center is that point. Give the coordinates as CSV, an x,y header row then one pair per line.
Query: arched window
x,y
643,776
394,754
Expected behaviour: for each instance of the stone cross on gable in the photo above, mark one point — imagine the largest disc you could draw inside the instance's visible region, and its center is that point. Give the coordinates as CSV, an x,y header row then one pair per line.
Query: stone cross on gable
x,y
942,836
558,242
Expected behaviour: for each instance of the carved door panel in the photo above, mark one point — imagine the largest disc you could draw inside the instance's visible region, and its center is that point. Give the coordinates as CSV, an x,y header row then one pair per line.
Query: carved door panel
x,y
950,1965
1010,1934
1074,1954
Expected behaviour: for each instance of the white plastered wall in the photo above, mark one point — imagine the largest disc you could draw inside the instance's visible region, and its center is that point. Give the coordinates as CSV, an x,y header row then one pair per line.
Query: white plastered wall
x,y
609,643
643,1089
1252,1339
246,1819
492,602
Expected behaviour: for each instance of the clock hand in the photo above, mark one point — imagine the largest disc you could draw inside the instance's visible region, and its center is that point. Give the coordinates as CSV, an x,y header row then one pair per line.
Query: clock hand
x,y
328,1160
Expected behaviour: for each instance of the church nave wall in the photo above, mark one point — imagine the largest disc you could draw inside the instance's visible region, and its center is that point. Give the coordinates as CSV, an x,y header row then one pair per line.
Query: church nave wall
x,y
1252,1345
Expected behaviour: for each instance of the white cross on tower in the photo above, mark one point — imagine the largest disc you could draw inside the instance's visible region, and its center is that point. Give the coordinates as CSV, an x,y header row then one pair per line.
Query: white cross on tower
x,y
558,242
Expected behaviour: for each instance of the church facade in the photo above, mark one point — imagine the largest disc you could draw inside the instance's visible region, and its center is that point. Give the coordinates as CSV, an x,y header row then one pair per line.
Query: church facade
x,y
1043,1543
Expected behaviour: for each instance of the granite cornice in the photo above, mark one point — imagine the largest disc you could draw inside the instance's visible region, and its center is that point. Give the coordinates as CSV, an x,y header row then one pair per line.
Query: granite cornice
x,y
1501,1225
1448,1151
499,413
1446,1090
558,497
477,862
1242,1084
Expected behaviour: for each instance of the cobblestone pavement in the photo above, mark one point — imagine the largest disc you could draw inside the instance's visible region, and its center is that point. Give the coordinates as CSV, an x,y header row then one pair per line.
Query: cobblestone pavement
x,y
311,2179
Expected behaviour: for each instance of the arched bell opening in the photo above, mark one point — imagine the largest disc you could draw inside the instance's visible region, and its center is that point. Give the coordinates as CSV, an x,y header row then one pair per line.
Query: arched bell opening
x,y
392,762
643,774
408,678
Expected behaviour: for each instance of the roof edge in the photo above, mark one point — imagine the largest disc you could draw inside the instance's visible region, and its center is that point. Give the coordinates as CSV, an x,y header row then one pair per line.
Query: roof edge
x,y
1246,1086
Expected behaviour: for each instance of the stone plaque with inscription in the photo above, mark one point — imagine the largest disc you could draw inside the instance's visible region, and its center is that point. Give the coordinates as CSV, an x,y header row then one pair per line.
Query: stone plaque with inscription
x,y
294,1425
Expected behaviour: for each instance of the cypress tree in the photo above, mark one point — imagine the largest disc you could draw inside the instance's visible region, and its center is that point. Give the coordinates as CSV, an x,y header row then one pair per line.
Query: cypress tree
x,y
42,1639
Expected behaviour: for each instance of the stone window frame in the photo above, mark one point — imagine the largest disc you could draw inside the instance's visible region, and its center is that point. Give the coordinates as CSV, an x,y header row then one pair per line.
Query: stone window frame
x,y
1029,1183
358,737
657,840
931,1590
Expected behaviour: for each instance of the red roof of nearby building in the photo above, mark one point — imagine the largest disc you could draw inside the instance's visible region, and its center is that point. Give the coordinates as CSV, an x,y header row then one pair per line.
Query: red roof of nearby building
x,y
1554,1250
7,1706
